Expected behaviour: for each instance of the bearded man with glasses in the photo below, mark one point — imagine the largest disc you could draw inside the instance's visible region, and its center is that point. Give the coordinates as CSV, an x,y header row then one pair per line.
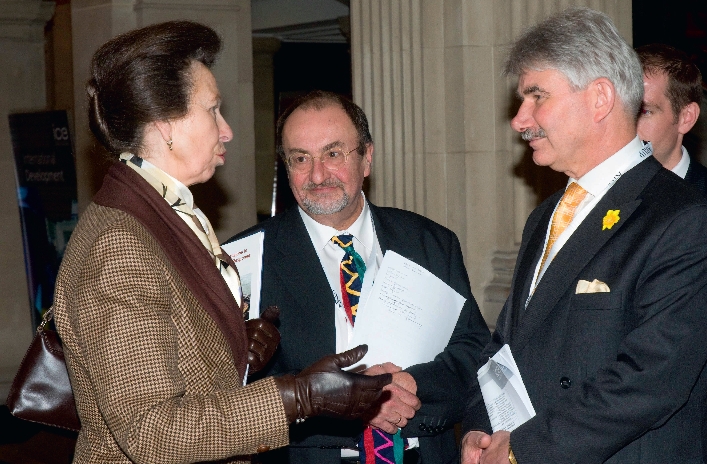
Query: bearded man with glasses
x,y
326,144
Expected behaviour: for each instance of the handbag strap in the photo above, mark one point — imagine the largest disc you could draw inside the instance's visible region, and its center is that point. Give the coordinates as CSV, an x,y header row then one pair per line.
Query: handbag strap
x,y
46,319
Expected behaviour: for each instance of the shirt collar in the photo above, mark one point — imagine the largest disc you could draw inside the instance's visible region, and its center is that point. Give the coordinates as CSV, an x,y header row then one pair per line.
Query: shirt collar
x,y
683,165
608,171
181,190
361,229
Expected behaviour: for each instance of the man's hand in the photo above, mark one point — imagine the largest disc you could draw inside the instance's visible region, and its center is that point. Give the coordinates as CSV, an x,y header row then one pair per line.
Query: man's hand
x,y
325,389
385,368
473,444
497,451
398,402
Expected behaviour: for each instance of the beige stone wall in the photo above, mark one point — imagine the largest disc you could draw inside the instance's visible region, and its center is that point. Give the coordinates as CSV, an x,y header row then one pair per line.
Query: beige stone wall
x,y
428,74
229,198
22,88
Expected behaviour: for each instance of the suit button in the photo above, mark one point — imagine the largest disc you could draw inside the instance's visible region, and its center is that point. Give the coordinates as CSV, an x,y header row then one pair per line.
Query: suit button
x,y
565,382
263,448
422,427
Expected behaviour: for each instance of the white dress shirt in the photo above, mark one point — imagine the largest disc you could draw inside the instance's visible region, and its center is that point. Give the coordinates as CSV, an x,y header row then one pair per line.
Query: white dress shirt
x,y
683,165
365,242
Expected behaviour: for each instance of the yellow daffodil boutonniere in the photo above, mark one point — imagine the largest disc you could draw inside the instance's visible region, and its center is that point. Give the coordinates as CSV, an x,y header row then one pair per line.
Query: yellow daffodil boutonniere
x,y
611,218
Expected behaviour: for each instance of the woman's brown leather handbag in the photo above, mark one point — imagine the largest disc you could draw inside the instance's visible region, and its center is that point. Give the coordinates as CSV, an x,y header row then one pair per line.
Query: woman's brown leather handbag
x,y
41,391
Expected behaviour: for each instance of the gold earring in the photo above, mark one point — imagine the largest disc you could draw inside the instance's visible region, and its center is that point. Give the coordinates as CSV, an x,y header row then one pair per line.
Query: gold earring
x,y
169,143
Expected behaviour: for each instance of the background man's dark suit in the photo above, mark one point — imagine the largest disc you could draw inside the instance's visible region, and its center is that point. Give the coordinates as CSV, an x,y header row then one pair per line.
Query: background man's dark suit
x,y
294,280
614,374
697,176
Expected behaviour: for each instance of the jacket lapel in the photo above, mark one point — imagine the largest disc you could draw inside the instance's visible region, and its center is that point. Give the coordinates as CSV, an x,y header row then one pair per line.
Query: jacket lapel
x,y
304,278
529,256
125,190
561,275
385,235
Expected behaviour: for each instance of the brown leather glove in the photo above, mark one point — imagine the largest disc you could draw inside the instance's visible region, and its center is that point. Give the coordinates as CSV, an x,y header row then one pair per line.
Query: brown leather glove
x,y
323,389
263,338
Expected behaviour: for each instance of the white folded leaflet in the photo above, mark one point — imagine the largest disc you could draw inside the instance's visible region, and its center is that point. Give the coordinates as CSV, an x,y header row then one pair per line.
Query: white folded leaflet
x,y
506,399
247,253
409,316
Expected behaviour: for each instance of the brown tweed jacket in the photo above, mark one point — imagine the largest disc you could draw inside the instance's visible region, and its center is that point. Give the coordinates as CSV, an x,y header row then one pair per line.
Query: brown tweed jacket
x,y
153,374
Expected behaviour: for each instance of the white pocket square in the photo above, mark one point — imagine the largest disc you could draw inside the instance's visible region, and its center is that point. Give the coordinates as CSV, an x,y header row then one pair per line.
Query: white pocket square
x,y
595,286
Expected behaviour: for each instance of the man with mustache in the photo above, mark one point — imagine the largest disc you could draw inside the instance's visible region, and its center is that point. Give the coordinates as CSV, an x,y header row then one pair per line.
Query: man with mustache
x,y
608,302
326,144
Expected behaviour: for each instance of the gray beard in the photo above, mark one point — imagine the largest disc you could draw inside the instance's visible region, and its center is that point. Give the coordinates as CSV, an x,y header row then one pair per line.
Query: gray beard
x,y
318,209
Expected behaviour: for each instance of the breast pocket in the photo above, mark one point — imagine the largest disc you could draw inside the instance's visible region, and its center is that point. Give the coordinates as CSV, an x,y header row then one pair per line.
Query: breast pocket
x,y
595,301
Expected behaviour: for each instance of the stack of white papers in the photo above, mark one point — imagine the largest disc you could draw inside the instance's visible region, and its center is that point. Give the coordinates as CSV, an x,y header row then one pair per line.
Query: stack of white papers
x,y
247,253
409,316
507,401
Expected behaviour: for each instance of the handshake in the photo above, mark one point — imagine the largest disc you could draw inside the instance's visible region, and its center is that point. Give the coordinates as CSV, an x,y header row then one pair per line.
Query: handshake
x,y
481,448
324,389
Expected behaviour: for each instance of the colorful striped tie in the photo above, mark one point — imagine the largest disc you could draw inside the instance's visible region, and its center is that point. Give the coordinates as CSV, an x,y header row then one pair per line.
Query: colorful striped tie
x,y
375,446
351,276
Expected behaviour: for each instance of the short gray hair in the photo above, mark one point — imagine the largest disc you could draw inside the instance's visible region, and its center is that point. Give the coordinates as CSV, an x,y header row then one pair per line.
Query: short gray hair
x,y
584,45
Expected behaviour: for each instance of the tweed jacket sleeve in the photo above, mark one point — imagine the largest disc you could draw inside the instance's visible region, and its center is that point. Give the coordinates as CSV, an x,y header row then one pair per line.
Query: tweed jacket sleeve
x,y
153,376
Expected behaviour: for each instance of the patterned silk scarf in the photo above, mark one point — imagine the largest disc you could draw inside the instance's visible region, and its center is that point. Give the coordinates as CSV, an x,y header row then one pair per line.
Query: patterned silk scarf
x,y
170,189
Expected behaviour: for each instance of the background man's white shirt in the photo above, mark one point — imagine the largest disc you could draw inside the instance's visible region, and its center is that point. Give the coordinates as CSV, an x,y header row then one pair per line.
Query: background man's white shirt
x,y
683,165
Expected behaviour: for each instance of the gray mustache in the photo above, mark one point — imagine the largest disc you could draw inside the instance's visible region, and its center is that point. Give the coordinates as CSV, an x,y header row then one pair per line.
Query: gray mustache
x,y
530,134
329,183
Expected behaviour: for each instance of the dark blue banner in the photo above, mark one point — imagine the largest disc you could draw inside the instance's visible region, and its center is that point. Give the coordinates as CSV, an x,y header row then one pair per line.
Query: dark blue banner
x,y
46,193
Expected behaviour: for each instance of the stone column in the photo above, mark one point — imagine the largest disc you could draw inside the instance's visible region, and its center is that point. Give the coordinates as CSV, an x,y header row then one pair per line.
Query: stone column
x,y
264,49
22,88
428,75
229,198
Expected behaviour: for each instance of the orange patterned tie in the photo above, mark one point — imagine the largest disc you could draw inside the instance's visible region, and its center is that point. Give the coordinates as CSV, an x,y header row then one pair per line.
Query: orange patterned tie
x,y
563,215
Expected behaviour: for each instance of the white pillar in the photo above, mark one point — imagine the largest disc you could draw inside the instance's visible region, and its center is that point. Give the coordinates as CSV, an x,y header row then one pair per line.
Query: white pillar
x,y
229,198
428,75
22,88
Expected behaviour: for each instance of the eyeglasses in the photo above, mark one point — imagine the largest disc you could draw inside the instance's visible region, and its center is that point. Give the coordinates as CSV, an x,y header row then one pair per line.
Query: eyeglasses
x,y
331,159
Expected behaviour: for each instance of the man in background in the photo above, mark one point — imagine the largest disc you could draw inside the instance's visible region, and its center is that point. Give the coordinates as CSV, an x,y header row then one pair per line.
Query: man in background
x,y
672,93
309,251
608,303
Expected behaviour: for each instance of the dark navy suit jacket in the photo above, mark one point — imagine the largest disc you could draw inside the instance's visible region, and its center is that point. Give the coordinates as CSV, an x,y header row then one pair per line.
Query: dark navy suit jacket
x,y
614,377
697,176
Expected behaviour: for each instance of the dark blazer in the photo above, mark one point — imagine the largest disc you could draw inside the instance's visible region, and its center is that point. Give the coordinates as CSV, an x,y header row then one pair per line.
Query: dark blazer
x,y
697,176
614,377
294,279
